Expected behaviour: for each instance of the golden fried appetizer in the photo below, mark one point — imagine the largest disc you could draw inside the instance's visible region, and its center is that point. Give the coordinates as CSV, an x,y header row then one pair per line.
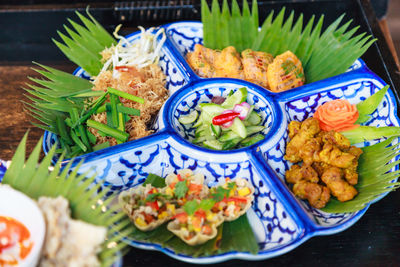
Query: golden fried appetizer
x,y
255,65
329,163
229,64
201,60
308,129
285,72
332,155
305,172
317,195
342,190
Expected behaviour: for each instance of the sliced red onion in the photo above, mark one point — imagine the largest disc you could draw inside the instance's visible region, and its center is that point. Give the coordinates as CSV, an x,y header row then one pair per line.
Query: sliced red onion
x,y
229,123
243,109
218,100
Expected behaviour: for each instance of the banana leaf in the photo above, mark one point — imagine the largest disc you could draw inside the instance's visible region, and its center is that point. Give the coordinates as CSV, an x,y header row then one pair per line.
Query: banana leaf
x,y
85,196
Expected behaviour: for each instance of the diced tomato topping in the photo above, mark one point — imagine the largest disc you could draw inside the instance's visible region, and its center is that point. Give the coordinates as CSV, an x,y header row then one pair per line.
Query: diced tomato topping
x,y
172,185
207,230
180,178
147,217
153,205
195,187
196,222
200,214
152,191
236,199
181,217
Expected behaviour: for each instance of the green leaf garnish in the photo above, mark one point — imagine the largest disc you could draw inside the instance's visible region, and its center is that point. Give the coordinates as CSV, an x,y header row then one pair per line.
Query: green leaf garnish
x,y
364,133
220,193
83,46
369,105
207,204
181,189
190,207
155,180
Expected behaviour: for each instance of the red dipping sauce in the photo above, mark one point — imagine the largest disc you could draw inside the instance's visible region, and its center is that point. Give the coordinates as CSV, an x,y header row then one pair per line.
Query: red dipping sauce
x,y
15,243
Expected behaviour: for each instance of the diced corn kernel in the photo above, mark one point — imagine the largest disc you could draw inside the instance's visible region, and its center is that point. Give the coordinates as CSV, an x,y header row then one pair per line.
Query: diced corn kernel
x,y
169,191
244,191
210,216
171,208
139,221
162,215
197,229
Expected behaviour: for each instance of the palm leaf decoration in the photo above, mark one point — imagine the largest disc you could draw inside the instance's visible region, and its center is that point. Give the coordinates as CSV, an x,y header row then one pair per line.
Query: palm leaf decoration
x,y
315,49
83,46
35,180
55,96
375,177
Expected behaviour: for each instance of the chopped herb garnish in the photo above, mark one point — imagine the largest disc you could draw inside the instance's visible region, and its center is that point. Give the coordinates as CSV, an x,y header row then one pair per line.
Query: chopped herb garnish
x,y
207,204
181,189
190,207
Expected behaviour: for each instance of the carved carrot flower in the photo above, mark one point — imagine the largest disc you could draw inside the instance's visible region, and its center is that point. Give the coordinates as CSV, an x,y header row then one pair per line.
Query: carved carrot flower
x,y
338,115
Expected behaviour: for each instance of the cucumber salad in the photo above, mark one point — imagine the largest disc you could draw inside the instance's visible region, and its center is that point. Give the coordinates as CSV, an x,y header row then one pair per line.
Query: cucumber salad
x,y
226,123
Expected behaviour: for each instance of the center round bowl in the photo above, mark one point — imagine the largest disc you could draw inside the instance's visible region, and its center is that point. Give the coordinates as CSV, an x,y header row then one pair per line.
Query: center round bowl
x,y
188,99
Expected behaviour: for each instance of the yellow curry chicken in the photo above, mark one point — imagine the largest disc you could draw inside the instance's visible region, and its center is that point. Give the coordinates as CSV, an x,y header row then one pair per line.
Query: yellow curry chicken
x,y
329,163
277,74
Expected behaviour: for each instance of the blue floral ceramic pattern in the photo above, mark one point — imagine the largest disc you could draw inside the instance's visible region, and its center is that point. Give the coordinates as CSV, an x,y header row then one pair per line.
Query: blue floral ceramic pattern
x,y
279,220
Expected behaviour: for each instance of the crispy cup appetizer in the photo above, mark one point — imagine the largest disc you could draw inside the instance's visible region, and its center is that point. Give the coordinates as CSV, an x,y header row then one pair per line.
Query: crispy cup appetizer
x,y
238,195
185,186
146,206
197,228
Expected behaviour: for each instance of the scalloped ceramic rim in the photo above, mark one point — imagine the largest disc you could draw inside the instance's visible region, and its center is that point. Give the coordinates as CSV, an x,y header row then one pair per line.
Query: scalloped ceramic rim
x,y
303,218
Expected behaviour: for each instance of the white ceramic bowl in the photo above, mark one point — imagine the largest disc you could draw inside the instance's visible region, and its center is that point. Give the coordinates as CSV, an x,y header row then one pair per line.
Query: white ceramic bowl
x,y
20,207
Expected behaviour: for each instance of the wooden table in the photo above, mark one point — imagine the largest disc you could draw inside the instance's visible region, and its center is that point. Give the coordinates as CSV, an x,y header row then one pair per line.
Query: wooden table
x,y
373,241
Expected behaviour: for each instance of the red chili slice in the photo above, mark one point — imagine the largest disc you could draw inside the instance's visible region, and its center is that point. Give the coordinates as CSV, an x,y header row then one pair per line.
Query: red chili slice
x,y
224,118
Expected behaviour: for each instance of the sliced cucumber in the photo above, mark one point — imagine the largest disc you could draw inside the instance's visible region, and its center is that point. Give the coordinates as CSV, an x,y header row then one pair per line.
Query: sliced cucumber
x,y
190,118
209,111
253,118
199,139
254,129
239,128
212,144
252,140
200,120
231,135
216,130
231,143
228,136
238,97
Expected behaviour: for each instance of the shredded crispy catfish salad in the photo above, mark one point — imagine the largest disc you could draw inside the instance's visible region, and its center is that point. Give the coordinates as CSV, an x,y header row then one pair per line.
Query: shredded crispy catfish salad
x,y
132,68
117,104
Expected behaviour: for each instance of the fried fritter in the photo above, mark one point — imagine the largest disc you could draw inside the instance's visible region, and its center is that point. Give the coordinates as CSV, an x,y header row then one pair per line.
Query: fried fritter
x,y
317,195
308,129
342,190
305,172
201,60
255,65
332,155
229,64
329,163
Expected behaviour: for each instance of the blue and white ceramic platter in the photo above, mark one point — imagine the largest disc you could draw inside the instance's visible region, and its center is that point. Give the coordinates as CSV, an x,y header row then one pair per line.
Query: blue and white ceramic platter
x,y
279,220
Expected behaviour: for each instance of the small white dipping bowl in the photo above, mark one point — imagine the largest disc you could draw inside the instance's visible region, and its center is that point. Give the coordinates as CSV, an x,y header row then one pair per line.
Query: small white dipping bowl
x,y
20,207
